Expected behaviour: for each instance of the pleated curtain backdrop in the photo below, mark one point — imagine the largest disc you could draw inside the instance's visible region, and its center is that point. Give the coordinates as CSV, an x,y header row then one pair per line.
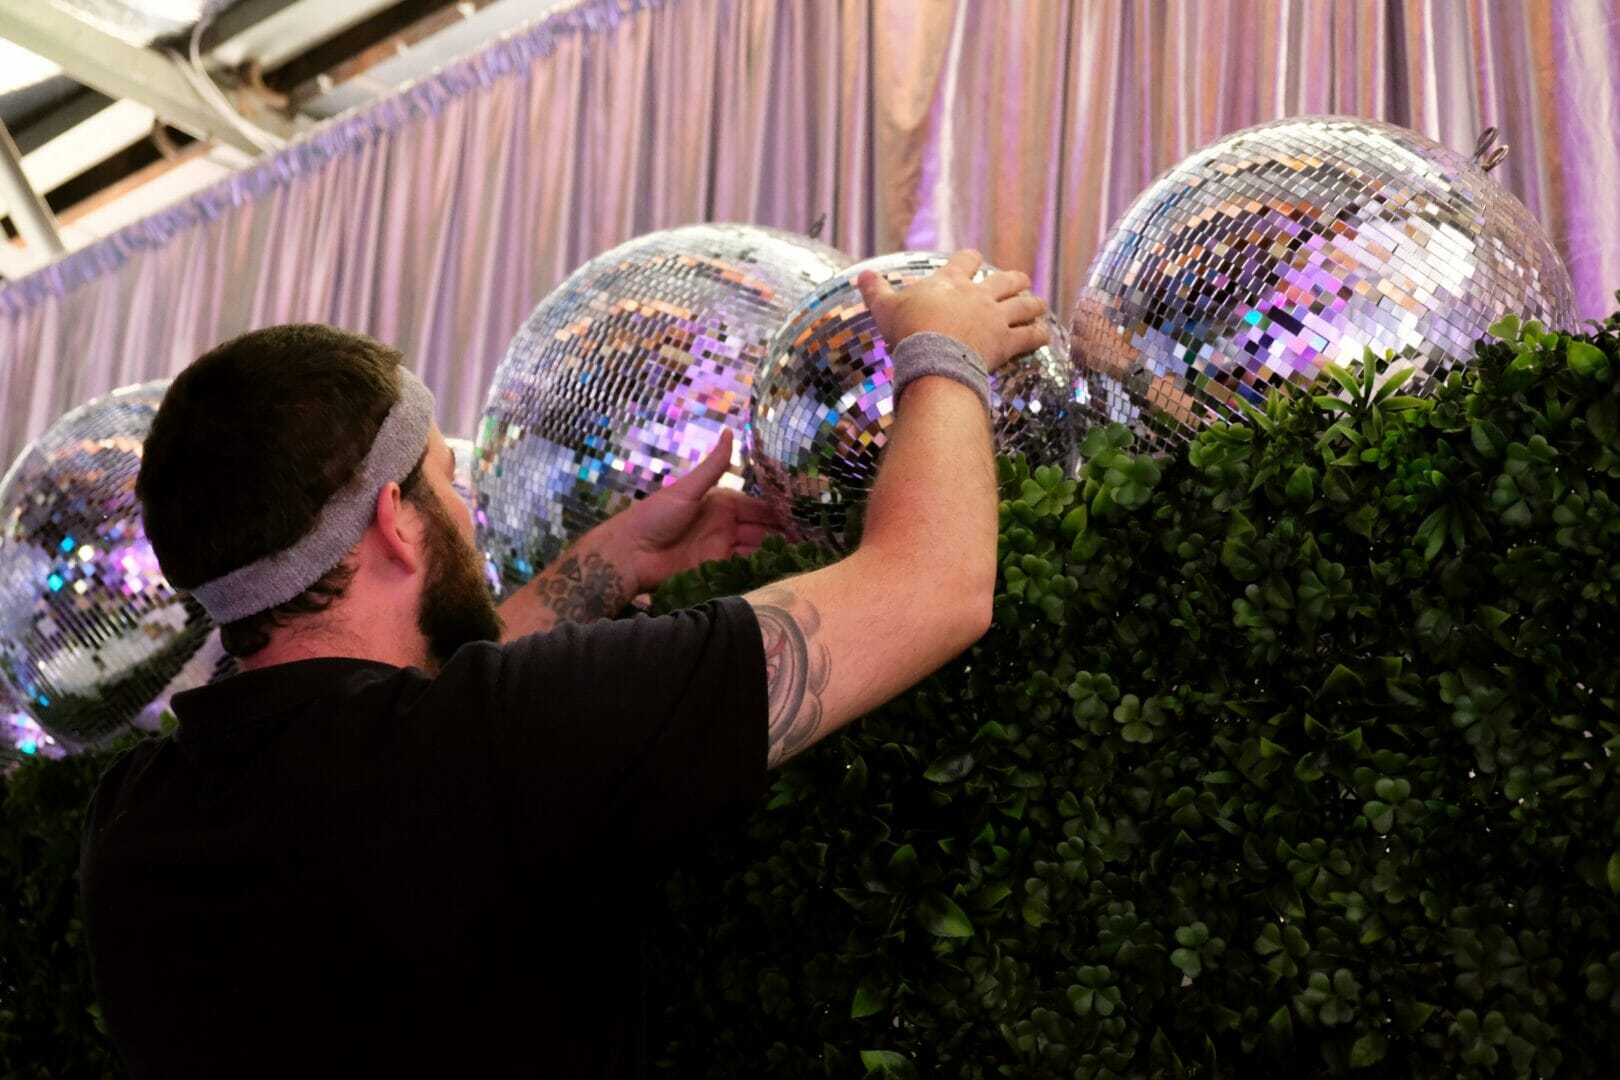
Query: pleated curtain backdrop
x,y
437,219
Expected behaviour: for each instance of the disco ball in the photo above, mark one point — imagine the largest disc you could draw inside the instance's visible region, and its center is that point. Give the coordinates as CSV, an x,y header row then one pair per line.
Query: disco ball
x,y
1280,248
465,454
20,736
467,488
823,405
93,640
626,375
25,738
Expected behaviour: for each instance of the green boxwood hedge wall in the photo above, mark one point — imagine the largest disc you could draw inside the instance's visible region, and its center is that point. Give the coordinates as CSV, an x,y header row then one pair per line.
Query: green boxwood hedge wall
x,y
1293,756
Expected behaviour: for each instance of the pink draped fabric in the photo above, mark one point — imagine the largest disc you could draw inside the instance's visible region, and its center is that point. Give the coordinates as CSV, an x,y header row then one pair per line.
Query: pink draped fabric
x,y
438,219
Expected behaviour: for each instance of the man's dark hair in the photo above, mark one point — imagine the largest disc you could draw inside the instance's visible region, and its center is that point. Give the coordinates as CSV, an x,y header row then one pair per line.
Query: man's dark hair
x,y
250,442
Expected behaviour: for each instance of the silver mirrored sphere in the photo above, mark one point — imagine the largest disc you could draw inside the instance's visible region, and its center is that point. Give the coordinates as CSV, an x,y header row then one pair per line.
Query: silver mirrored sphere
x,y
823,403
626,375
466,456
21,737
1280,248
93,640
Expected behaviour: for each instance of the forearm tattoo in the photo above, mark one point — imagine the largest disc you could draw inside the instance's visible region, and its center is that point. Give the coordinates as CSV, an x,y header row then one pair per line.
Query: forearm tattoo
x,y
797,667
580,591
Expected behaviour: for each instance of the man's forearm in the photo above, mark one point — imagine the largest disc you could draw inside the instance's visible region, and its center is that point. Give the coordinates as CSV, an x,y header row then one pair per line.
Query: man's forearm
x,y
589,580
934,501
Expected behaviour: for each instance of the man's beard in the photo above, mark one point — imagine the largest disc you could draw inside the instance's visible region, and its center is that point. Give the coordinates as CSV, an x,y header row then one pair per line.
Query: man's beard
x,y
457,606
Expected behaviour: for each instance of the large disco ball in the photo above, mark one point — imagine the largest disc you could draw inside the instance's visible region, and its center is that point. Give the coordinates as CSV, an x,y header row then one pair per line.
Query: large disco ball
x,y
626,375
823,405
1277,249
93,640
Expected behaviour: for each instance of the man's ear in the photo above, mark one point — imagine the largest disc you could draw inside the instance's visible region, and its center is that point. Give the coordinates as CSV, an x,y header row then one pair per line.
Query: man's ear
x,y
398,530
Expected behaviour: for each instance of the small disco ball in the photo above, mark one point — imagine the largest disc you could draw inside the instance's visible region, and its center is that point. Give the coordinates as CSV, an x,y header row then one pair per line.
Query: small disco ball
x,y
467,488
1277,249
823,404
93,640
626,375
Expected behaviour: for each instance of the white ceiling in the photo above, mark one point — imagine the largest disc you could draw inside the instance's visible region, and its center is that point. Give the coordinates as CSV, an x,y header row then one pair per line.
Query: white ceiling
x,y
97,159
19,67
138,21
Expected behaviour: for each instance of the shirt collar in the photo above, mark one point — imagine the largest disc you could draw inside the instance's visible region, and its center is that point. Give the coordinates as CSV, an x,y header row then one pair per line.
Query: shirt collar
x,y
249,696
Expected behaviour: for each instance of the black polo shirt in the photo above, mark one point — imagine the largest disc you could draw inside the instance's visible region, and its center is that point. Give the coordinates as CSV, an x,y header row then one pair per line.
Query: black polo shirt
x,y
337,867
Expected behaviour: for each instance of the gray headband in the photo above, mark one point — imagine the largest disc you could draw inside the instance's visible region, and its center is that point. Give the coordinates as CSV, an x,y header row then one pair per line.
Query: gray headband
x,y
279,577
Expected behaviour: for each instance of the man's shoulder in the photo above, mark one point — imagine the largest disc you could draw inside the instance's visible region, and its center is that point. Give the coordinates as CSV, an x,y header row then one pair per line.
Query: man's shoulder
x,y
107,796
584,649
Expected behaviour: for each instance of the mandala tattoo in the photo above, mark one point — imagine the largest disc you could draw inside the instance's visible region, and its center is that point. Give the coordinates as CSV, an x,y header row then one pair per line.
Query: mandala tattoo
x,y
582,591
797,667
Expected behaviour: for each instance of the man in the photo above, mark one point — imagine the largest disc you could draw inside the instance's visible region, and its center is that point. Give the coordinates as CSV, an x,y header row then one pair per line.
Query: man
x,y
392,846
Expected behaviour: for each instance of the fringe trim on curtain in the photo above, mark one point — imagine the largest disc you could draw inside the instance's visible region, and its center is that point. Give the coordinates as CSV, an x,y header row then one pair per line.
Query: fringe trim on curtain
x,y
344,134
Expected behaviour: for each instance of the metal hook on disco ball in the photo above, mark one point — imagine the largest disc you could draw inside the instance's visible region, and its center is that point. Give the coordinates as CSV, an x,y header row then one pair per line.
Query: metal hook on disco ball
x,y
1275,250
1484,156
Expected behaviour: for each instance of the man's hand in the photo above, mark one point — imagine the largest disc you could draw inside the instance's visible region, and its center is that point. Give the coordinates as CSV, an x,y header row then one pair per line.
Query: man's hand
x,y
841,640
691,522
674,529
993,317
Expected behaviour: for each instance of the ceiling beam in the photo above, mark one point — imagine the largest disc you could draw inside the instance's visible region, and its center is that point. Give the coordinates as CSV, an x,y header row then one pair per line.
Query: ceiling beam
x,y
321,57
109,132
239,18
292,29
397,44
118,69
29,214
73,109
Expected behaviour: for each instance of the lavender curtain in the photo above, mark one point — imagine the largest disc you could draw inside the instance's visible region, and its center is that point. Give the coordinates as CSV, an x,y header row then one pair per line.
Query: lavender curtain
x,y
437,219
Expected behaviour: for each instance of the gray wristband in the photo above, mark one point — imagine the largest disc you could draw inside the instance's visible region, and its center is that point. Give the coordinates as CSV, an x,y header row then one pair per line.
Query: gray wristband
x,y
938,354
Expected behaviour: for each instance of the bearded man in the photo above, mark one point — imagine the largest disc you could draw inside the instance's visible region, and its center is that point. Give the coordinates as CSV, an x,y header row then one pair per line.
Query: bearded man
x,y
414,836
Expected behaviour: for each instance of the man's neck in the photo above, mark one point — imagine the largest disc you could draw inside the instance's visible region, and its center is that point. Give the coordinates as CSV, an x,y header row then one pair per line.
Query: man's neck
x,y
289,645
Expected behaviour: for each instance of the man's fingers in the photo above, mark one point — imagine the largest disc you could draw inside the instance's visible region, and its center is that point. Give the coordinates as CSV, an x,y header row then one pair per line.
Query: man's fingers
x,y
1023,309
756,511
754,535
747,537
1027,338
706,473
746,509
875,288
1006,283
965,262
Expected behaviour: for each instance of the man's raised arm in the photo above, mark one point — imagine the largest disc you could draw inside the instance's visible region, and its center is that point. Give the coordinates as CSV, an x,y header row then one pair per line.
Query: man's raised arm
x,y
842,640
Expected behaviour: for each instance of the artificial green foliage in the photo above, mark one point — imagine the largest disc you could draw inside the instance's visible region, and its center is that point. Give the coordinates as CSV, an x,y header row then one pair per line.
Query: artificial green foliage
x,y
1293,756
48,1015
